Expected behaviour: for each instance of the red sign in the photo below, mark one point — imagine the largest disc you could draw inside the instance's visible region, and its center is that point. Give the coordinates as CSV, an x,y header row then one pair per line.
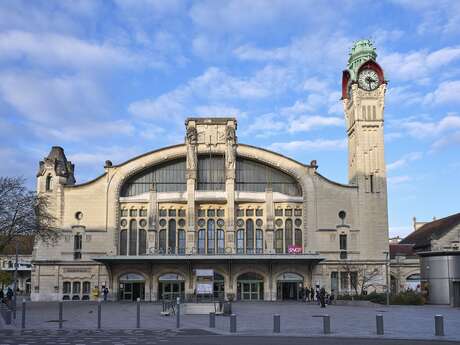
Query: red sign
x,y
294,249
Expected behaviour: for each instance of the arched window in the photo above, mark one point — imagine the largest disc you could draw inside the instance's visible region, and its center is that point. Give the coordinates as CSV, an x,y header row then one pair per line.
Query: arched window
x,y
162,241
220,241
76,287
259,241
142,242
298,237
249,236
132,237
181,242
49,183
172,236
211,236
66,287
201,241
279,241
123,242
86,287
288,234
240,241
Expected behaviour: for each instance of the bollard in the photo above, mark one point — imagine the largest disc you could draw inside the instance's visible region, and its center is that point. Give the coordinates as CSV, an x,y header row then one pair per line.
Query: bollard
x,y
438,325
99,314
379,323
212,320
276,323
23,316
60,314
326,324
233,323
178,312
138,313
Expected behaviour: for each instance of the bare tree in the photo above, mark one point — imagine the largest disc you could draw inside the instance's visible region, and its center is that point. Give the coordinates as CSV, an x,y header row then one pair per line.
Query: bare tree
x,y
24,213
361,276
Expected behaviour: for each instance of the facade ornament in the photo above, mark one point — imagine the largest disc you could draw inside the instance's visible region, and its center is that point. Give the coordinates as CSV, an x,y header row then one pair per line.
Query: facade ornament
x,y
231,148
192,138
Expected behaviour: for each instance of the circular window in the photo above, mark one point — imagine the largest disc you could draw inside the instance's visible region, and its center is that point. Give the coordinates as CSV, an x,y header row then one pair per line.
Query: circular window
x,y
143,222
240,222
220,222
298,222
162,222
79,215
124,222
182,222
201,222
259,222
279,222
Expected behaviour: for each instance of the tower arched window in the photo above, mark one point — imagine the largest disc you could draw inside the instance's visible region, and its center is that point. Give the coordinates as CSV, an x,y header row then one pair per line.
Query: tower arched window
x,y
211,236
279,241
249,236
240,241
49,183
142,242
220,241
259,241
123,242
172,236
288,235
133,237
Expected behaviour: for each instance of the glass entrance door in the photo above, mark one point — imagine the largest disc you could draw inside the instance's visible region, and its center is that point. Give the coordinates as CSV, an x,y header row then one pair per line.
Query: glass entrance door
x,y
250,290
170,290
132,291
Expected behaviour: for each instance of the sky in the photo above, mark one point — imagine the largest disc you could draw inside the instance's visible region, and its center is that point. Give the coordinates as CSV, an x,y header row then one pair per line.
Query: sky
x,y
114,79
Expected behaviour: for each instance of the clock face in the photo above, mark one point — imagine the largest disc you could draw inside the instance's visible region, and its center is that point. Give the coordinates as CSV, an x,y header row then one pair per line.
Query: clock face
x,y
368,79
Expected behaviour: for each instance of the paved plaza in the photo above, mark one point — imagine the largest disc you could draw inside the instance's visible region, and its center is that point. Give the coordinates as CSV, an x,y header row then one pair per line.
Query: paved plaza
x,y
253,319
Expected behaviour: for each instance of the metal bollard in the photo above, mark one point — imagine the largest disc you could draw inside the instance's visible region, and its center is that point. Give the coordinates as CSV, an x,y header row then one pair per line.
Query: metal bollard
x,y
276,323
212,320
326,324
99,314
138,313
379,323
178,312
438,325
60,314
23,316
233,323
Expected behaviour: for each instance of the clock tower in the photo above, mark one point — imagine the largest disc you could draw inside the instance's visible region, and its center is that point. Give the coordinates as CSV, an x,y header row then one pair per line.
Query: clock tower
x,y
363,94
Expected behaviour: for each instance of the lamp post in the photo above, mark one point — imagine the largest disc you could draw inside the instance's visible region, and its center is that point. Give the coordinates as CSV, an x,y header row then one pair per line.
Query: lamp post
x,y
15,278
387,266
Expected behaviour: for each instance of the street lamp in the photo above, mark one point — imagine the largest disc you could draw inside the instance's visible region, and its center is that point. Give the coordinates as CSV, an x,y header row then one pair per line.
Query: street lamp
x,y
387,266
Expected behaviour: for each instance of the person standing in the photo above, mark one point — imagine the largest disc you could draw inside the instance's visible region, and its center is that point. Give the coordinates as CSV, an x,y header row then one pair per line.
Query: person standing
x,y
307,294
312,294
105,292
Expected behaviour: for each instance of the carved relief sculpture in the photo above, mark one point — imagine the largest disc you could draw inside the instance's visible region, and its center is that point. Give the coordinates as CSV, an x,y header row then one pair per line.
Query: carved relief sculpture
x,y
191,148
231,148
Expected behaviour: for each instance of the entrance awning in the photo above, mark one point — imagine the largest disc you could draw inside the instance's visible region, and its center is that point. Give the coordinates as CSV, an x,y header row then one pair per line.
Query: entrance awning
x,y
312,258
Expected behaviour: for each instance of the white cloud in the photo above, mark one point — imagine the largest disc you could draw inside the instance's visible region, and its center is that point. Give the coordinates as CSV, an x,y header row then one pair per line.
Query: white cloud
x,y
417,65
65,51
54,100
310,145
447,140
446,92
429,129
404,160
307,123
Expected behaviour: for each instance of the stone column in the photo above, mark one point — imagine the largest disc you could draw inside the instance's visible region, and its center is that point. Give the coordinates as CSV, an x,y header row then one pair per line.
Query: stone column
x,y
230,173
270,226
191,141
153,220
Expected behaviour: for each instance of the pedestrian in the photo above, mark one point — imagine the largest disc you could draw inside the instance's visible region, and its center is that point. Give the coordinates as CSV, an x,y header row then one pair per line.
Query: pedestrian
x,y
312,294
9,295
105,292
331,297
322,297
2,295
307,294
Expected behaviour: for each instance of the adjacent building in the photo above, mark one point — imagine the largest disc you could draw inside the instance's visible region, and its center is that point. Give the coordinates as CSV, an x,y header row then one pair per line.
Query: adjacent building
x,y
264,224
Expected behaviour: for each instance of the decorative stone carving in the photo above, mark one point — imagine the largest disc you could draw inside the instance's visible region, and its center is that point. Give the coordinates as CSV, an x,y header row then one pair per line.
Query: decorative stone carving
x,y
192,138
231,148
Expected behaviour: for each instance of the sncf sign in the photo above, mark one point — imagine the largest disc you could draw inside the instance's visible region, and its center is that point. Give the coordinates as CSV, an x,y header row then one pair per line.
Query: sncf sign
x,y
294,249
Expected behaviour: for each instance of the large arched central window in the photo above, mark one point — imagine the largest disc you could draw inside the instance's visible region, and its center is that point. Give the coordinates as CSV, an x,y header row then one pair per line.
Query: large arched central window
x,y
167,177
252,176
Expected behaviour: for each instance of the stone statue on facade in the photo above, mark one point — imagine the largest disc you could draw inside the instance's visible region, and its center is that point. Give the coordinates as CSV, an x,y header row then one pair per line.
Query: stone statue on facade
x,y
192,139
231,147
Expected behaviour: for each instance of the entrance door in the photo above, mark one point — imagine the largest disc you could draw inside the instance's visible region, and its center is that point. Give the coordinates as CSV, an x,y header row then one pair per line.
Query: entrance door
x,y
170,290
289,286
289,291
132,287
456,294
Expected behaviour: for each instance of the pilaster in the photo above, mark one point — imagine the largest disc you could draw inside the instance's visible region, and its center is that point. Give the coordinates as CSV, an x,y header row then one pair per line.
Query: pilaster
x,y
270,214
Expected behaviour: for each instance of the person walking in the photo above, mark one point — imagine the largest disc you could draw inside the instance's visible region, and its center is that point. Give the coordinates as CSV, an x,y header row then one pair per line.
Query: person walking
x,y
312,294
105,292
307,294
2,295
322,297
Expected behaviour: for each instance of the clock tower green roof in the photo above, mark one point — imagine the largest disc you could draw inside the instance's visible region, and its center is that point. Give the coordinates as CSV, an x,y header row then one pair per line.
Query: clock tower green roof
x,y
362,51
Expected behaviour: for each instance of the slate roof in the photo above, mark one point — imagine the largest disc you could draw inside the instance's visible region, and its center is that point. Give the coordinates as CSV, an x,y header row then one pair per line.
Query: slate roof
x,y
421,238
398,249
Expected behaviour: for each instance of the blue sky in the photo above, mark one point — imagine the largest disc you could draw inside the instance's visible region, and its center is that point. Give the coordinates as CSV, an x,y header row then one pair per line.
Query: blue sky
x,y
113,79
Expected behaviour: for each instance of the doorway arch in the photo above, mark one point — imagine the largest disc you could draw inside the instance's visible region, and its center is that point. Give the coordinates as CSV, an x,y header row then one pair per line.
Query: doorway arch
x,y
132,287
289,286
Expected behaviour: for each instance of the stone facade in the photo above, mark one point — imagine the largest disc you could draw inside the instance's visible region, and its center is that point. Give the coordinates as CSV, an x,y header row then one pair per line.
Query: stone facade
x,y
265,224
